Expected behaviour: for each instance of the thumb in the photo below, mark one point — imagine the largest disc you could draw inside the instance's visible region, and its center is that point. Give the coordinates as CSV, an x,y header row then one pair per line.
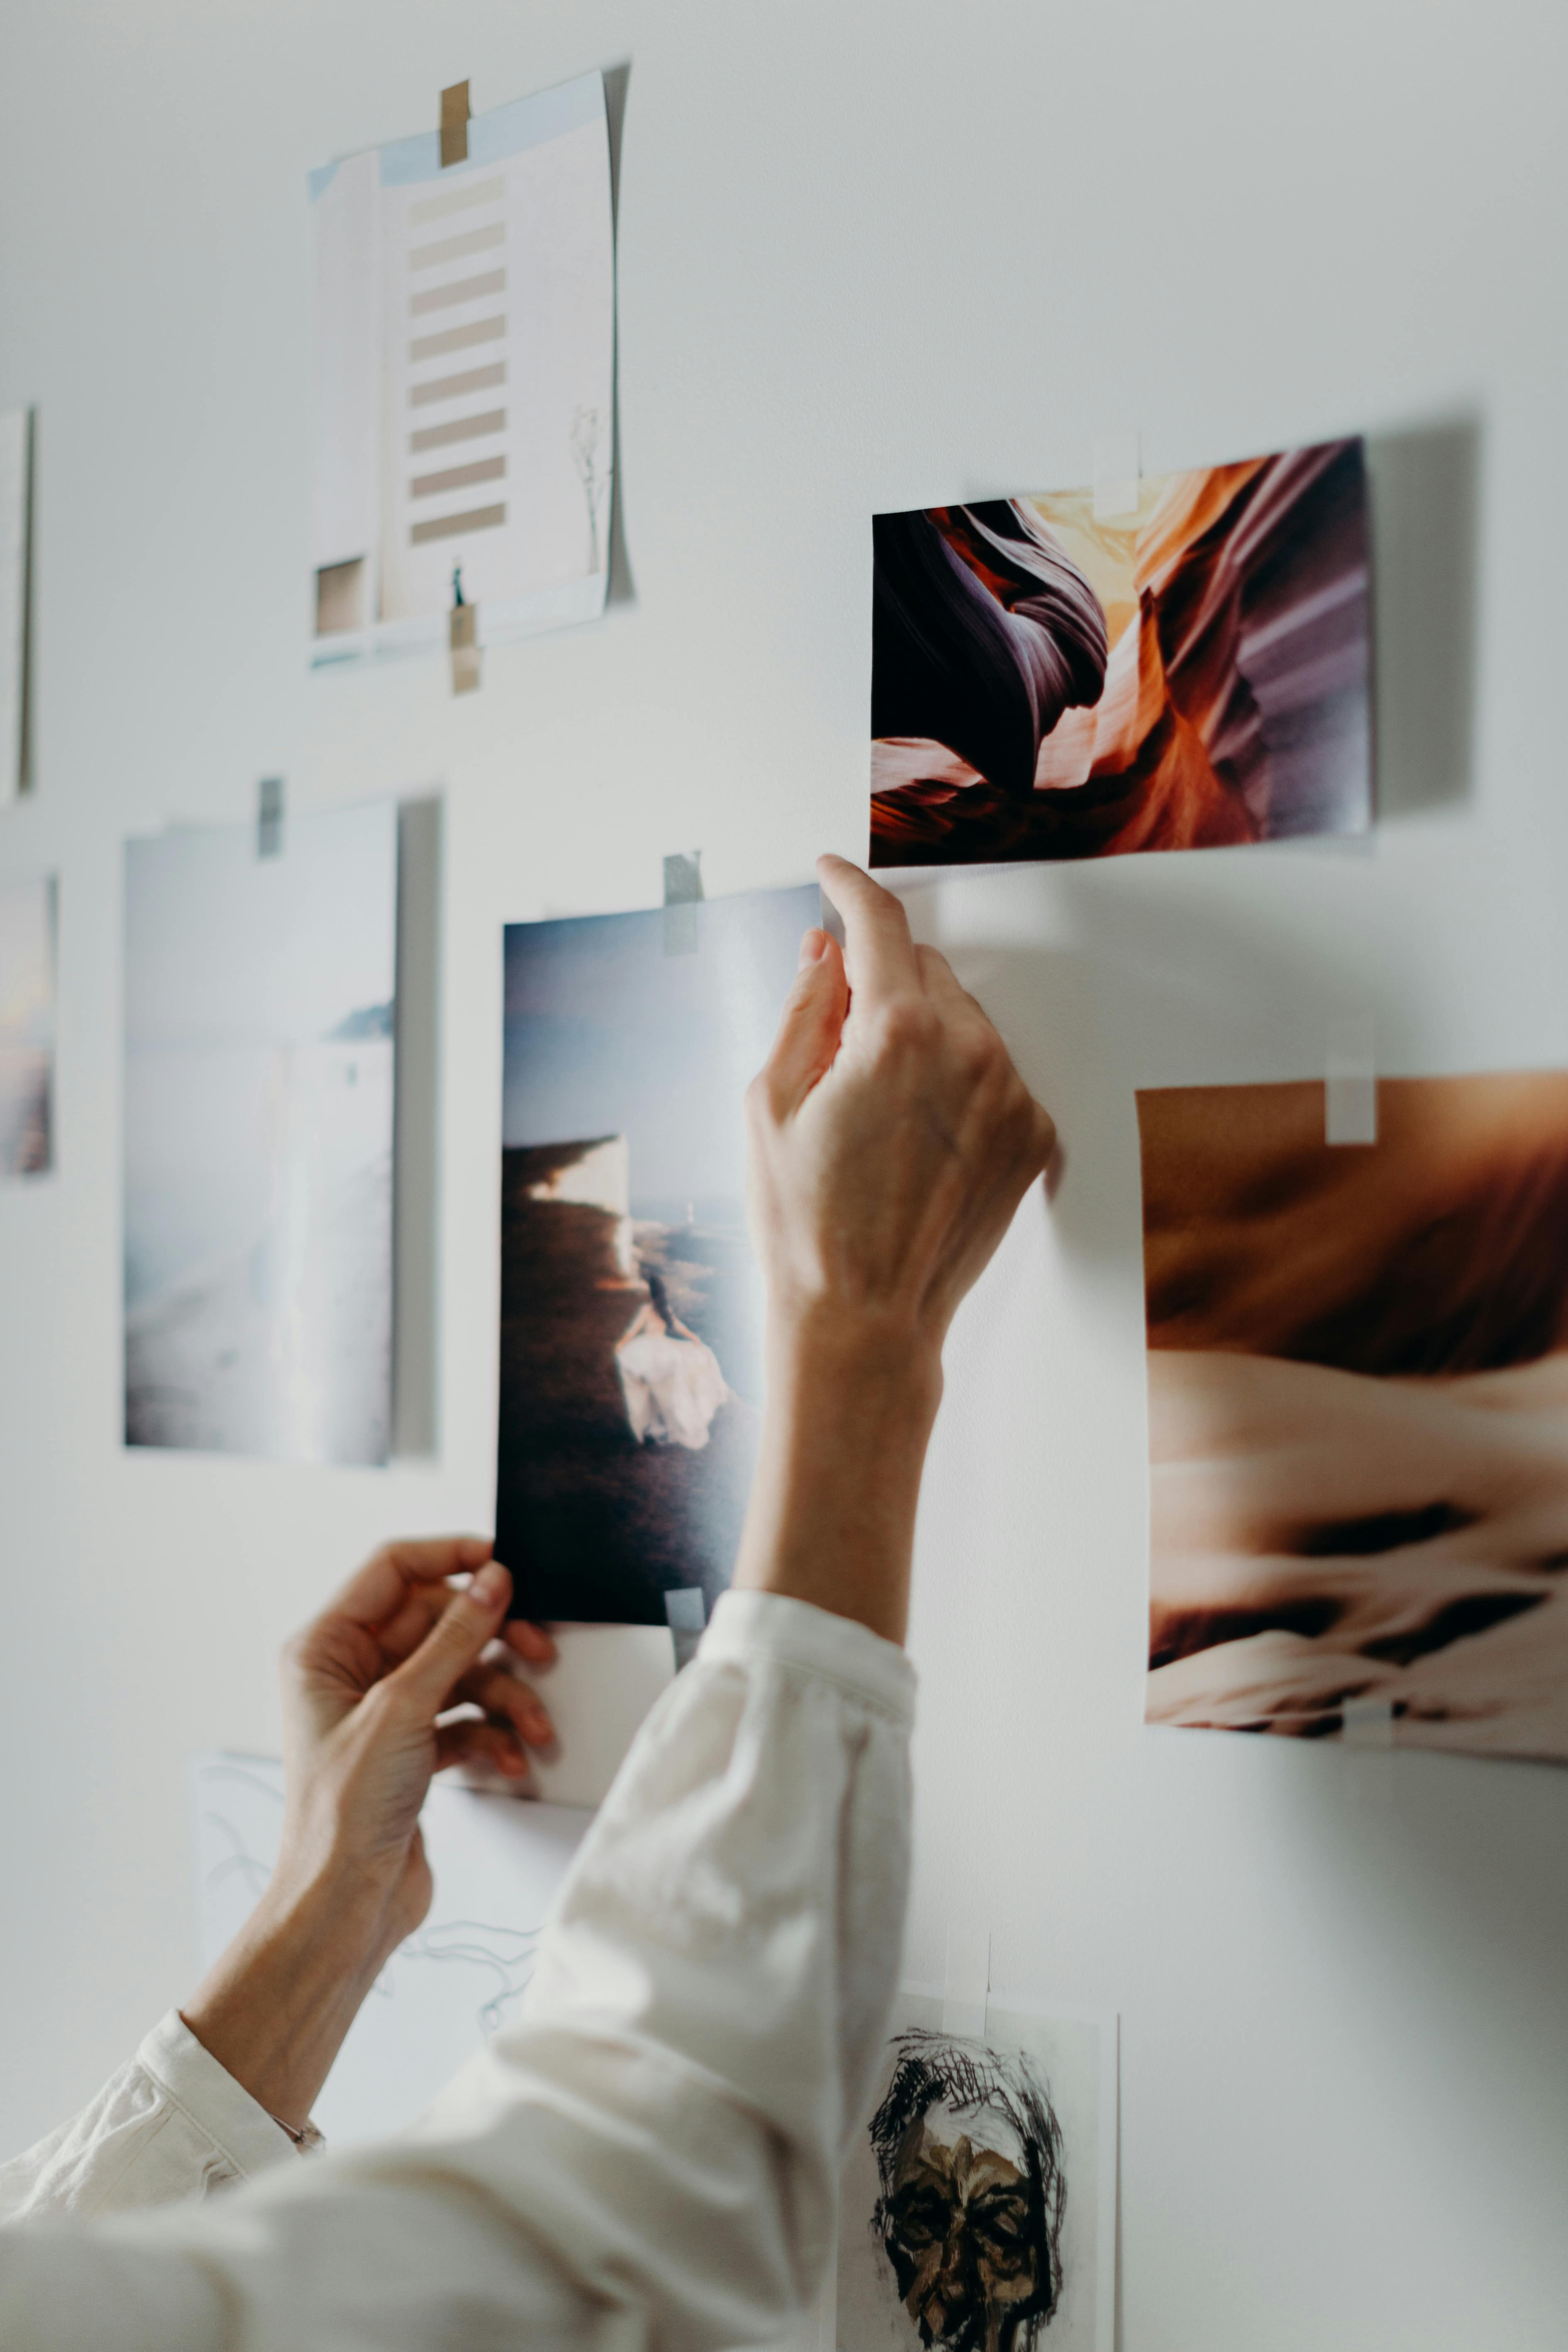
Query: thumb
x,y
454,1642
811,1027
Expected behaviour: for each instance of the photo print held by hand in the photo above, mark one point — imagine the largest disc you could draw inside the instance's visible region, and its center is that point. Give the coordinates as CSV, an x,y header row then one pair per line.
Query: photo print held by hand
x,y
1051,683
465,376
1358,1412
260,1063
978,2208
27,1026
632,1307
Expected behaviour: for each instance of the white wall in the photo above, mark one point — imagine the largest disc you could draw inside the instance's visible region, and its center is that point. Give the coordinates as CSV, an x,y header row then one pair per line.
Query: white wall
x,y
870,256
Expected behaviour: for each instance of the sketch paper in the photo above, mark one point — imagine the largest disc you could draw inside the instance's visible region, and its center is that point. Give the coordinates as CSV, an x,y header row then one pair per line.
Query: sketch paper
x,y
465,343
631,1370
1048,683
497,1863
26,1027
16,480
1358,1412
978,2210
259,1000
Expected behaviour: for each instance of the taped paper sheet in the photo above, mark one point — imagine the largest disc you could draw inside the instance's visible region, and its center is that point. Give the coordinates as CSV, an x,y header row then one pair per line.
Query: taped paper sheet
x,y
682,896
465,358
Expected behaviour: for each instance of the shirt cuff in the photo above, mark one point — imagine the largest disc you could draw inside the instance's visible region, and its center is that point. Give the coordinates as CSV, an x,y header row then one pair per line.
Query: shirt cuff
x,y
244,2134
746,1626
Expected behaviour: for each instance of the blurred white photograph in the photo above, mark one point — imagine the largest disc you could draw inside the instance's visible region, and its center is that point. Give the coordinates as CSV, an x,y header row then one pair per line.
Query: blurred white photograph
x,y
260,1017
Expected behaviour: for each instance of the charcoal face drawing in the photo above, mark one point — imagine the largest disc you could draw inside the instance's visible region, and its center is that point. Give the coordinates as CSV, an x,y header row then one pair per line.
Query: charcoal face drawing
x,y
972,2193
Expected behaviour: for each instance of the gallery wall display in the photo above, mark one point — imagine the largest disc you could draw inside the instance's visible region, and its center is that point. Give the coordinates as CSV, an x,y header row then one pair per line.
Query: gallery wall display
x,y
260,1024
631,1344
465,342
457,1980
1050,684
1358,1410
978,2207
27,1026
15,538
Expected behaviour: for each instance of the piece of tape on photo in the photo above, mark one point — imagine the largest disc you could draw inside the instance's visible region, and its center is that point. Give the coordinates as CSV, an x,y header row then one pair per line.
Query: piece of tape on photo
x,y
685,1611
1368,1722
1350,1087
462,623
1116,471
269,817
682,896
454,124
967,1988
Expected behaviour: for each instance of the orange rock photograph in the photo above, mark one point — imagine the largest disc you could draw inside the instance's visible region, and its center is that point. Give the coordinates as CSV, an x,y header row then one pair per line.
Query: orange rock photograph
x,y
1049,681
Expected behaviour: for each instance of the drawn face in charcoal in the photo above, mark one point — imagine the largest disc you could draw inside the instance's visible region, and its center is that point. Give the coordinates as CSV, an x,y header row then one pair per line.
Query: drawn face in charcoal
x,y
968,2153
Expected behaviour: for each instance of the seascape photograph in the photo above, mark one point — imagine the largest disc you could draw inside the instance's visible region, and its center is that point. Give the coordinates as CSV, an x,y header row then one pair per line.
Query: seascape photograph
x,y
631,1365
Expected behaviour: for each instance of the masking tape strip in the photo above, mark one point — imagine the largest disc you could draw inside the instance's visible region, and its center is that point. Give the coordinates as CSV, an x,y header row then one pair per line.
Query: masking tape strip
x,y
686,1609
1368,1722
269,817
465,649
1116,471
454,124
968,1983
682,896
1350,1088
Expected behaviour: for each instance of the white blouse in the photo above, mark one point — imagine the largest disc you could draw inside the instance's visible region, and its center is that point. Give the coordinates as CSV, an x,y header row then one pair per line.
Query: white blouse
x,y
649,2157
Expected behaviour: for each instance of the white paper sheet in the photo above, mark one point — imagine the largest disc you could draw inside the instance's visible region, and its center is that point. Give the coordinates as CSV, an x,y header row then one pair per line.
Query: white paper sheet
x,y
465,332
496,1862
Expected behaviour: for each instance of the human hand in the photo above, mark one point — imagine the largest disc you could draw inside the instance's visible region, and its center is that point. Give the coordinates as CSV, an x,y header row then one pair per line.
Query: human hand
x,y
891,1137
369,1690
891,1140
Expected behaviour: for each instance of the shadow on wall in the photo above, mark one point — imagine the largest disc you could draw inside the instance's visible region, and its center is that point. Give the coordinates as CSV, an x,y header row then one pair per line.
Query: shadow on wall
x,y
1425,487
621,588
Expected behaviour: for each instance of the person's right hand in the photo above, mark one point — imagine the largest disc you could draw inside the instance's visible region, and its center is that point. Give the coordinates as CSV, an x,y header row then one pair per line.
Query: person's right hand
x,y
891,1140
892,1137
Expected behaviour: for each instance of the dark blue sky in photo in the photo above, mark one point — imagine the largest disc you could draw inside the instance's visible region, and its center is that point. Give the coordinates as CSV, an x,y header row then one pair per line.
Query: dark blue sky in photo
x,y
606,1035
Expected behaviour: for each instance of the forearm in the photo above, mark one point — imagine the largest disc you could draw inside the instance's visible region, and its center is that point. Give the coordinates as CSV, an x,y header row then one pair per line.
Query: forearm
x,y
832,1514
275,2008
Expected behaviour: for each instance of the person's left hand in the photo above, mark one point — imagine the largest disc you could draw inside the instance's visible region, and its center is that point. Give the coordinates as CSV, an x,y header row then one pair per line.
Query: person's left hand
x,y
369,1690
401,1675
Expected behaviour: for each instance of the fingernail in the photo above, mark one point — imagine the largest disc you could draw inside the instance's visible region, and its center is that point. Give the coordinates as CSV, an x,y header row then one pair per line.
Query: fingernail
x,y
490,1584
813,947
540,1731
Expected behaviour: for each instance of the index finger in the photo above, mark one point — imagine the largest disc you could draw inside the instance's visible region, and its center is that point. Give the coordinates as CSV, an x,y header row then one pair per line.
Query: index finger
x,y
879,950
380,1588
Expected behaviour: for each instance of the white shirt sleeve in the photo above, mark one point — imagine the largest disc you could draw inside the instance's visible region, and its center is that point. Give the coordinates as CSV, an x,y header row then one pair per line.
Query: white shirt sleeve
x,y
171,2123
649,2161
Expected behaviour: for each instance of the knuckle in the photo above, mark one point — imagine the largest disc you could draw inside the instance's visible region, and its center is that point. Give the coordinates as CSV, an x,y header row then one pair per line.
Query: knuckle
x,y
906,1027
